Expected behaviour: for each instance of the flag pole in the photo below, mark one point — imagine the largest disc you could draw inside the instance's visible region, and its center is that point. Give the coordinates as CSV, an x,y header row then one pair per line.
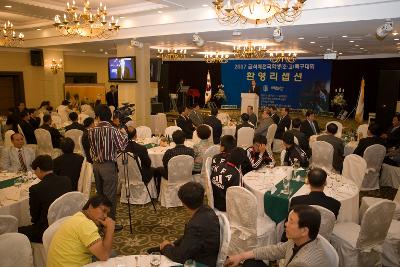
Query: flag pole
x,y
359,93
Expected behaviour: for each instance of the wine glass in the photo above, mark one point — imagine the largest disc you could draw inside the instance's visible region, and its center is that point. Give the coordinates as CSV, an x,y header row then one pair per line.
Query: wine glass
x,y
155,259
18,182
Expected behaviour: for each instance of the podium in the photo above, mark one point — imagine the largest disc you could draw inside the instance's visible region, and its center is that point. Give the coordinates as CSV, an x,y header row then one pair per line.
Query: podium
x,y
249,99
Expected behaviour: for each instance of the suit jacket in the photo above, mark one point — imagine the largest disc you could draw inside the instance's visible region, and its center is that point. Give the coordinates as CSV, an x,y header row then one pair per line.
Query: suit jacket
x,y
200,240
86,146
176,151
216,125
253,119
196,117
112,99
42,194
145,161
10,158
75,125
69,165
186,125
263,126
256,90
317,198
126,75
393,137
243,124
366,142
307,130
55,135
303,142
276,118
283,123
29,132
338,150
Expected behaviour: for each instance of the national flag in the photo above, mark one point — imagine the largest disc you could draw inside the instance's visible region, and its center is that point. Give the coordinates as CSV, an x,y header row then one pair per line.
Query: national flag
x,y
360,104
207,94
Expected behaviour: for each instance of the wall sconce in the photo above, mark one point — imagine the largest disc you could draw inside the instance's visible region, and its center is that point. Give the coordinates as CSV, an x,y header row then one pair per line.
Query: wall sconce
x,y
55,67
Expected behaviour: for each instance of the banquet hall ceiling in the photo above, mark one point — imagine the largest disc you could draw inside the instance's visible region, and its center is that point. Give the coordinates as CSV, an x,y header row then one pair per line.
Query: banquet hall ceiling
x,y
171,23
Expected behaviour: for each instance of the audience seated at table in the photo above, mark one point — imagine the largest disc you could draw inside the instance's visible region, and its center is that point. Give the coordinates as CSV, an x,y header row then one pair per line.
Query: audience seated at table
x,y
87,123
64,107
392,136
12,120
215,124
195,115
228,142
54,133
27,129
245,123
293,151
274,114
17,157
41,195
69,163
257,155
301,137
184,122
372,138
252,116
204,133
264,123
310,126
337,144
302,249
73,116
78,239
34,120
225,175
284,123
201,238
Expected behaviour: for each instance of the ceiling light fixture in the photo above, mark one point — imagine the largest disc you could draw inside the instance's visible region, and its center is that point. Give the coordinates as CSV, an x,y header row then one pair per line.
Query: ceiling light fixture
x,y
282,57
301,38
249,50
55,67
258,11
216,57
351,41
205,5
383,30
8,6
396,39
344,36
88,23
159,12
8,36
312,42
172,54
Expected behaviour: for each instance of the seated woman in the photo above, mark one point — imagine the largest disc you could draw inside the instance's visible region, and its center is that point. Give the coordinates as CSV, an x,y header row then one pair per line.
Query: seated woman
x,y
204,133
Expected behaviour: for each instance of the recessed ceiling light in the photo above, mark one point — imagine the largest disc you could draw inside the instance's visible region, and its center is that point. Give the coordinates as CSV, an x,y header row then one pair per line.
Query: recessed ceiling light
x,y
340,53
205,5
106,53
301,38
356,45
122,17
159,11
362,48
395,33
101,49
321,46
312,42
8,6
344,36
83,51
191,55
351,41
396,39
38,29
398,43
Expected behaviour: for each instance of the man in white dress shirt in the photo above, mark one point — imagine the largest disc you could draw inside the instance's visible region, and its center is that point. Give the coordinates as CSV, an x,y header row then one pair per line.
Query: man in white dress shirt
x,y
17,157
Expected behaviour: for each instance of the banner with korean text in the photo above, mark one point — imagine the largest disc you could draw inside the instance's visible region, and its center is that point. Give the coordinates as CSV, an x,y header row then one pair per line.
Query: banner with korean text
x,y
302,84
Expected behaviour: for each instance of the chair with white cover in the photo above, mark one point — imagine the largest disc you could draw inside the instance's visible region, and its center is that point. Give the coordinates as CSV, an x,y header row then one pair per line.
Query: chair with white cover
x,y
15,250
207,182
57,120
245,137
21,132
143,132
361,245
76,136
283,155
44,144
66,205
170,130
159,124
277,145
134,183
50,231
330,251
8,224
374,156
270,137
224,239
223,117
296,141
354,168
209,153
7,138
362,131
179,172
328,220
82,117
390,176
85,178
340,128
322,155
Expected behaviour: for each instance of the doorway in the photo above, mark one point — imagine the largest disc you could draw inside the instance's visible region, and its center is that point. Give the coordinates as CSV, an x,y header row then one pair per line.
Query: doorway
x,y
11,90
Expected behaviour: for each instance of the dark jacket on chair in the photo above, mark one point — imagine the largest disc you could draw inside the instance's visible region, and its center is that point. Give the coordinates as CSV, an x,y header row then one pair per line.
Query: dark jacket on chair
x,y
145,161
307,130
55,135
29,132
367,142
243,124
216,125
69,165
317,198
186,124
284,122
303,142
75,125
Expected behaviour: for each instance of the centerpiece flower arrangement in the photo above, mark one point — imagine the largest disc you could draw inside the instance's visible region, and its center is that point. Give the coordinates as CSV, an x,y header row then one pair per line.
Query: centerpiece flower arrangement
x,y
220,95
338,99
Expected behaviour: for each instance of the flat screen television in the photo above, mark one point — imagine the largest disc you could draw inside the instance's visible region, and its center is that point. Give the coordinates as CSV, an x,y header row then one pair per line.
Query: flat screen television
x,y
122,69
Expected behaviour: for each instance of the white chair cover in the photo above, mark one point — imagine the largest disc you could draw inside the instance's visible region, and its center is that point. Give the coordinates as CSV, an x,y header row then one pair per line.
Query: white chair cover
x,y
76,136
374,156
340,128
21,132
245,137
296,141
57,120
7,138
143,132
50,231
361,245
39,255
15,250
283,155
159,123
179,172
170,130
390,176
322,155
209,153
44,144
223,117
277,146
66,205
138,191
8,224
270,137
85,178
88,110
362,131
207,182
82,117
391,246
330,251
328,220
224,238
354,168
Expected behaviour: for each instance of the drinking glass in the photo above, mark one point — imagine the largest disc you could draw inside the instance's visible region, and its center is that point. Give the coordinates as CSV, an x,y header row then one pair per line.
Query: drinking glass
x,y
18,182
155,259
189,263
286,183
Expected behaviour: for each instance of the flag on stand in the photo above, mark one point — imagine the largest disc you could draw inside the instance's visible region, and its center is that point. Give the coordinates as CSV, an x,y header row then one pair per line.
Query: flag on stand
x,y
360,104
207,94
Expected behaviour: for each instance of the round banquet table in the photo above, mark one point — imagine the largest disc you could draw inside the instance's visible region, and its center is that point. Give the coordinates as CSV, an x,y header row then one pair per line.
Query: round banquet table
x,y
346,191
156,153
228,130
350,147
132,260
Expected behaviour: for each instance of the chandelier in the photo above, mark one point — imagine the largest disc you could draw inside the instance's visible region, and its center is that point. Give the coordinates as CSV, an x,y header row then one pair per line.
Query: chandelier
x,y
216,57
258,11
250,50
88,23
8,36
171,54
282,57
55,67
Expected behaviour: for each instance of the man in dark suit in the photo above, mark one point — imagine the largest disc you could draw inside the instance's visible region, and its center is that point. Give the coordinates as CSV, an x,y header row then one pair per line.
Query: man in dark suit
x,y
75,124
123,71
283,124
54,133
252,116
27,128
41,196
392,136
112,96
337,144
184,122
245,123
274,114
301,137
215,124
200,240
310,125
254,88
69,163
87,123
371,139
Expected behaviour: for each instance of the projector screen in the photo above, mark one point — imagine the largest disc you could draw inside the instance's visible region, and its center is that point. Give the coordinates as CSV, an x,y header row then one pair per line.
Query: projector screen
x,y
122,69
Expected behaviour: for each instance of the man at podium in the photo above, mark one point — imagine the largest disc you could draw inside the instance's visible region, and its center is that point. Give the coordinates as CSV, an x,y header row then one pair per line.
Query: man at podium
x,y
254,88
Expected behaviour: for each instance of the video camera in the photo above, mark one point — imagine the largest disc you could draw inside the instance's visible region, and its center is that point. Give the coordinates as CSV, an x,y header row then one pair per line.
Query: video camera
x,y
124,112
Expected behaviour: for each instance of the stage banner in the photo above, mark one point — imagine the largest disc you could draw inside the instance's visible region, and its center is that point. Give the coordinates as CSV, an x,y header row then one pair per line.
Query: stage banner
x,y
302,84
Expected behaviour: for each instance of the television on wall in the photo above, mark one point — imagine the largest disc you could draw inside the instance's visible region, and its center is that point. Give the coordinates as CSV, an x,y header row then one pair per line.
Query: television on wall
x,y
122,69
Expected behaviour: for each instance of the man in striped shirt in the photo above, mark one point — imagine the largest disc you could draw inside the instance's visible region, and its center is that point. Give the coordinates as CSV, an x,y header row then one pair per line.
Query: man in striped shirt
x,y
257,154
105,143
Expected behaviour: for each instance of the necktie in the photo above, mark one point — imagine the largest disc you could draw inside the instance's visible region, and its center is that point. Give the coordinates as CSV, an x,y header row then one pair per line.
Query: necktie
x,y
313,127
21,161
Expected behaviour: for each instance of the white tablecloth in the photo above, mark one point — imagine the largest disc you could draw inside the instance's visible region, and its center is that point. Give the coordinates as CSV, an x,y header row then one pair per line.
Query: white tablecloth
x,y
228,130
156,153
131,261
350,147
345,191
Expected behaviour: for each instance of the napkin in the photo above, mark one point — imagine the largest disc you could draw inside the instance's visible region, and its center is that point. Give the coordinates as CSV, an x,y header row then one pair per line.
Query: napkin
x,y
345,189
13,193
